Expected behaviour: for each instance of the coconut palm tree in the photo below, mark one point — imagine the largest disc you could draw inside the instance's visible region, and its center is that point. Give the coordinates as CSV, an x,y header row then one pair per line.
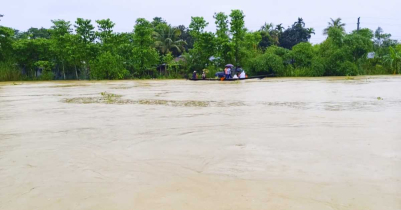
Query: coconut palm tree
x,y
167,40
300,22
280,28
334,24
267,27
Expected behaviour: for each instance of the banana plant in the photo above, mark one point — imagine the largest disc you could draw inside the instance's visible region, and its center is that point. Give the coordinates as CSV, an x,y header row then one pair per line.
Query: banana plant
x,y
393,59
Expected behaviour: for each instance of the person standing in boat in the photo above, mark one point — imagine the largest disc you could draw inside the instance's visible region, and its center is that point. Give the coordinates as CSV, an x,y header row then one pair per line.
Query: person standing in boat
x,y
225,72
228,73
194,75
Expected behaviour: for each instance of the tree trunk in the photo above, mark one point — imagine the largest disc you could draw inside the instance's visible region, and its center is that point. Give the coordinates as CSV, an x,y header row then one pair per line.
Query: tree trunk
x,y
76,72
88,72
63,71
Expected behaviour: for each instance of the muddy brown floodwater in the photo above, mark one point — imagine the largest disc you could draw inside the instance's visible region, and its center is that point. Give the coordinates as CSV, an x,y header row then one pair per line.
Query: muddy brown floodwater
x,y
277,144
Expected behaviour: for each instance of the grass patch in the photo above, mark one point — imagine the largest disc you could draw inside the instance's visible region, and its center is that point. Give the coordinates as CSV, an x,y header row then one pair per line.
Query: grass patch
x,y
349,78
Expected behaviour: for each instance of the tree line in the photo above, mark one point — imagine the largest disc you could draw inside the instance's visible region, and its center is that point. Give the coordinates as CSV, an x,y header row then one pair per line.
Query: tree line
x,y
156,49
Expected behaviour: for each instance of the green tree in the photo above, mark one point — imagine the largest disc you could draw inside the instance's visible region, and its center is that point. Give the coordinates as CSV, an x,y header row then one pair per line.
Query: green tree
x,y
224,48
204,49
333,53
306,61
34,33
186,37
197,26
334,24
106,34
168,61
296,34
250,47
84,45
108,66
46,68
125,49
349,68
29,51
167,39
6,42
85,30
60,28
204,45
75,51
383,42
268,63
302,55
144,55
59,32
359,43
157,21
270,35
238,33
393,59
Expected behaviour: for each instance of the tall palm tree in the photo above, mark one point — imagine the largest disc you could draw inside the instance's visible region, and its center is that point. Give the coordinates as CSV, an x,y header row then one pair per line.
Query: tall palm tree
x,y
167,40
334,24
300,22
266,27
280,28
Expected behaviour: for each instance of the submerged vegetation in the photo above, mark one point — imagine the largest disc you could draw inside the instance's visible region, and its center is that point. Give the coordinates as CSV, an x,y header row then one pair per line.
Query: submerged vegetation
x,y
110,98
156,49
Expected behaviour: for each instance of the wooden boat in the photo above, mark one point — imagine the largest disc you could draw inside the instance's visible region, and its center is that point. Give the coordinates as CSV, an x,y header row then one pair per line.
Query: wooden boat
x,y
228,80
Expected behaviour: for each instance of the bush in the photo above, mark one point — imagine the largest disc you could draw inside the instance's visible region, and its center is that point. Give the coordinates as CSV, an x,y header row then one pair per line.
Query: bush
x,y
288,71
301,72
266,64
108,66
211,71
9,72
349,68
46,67
317,69
379,69
302,54
333,62
48,75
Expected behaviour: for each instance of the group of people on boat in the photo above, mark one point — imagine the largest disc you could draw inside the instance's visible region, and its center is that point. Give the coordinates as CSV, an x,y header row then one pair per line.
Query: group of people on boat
x,y
229,73
238,73
195,75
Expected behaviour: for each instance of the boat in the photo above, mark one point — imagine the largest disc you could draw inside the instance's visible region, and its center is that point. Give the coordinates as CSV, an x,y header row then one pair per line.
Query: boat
x,y
232,79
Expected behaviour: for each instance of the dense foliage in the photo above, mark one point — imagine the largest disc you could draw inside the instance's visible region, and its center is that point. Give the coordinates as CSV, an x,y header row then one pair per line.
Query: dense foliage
x,y
87,50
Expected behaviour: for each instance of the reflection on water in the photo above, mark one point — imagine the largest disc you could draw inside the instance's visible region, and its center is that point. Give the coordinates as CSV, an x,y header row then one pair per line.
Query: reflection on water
x,y
276,143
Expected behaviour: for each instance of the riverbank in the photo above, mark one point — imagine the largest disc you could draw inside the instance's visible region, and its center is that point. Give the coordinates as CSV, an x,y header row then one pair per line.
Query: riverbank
x,y
16,82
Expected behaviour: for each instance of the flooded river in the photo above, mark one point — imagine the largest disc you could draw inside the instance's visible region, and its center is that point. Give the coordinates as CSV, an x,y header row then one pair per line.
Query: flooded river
x,y
277,144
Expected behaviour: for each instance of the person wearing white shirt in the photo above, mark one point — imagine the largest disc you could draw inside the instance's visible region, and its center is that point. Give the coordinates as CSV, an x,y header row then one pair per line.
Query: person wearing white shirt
x,y
242,75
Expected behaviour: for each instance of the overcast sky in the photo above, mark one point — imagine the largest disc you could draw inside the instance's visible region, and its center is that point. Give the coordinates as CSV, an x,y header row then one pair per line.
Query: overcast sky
x,y
23,14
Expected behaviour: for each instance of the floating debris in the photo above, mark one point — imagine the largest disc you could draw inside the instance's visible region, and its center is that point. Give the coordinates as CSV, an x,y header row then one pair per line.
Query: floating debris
x,y
123,87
